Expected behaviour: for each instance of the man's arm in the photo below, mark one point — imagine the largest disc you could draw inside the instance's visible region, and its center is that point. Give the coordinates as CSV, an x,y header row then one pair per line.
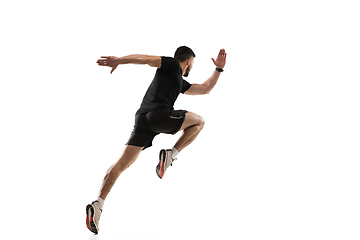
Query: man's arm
x,y
113,62
208,85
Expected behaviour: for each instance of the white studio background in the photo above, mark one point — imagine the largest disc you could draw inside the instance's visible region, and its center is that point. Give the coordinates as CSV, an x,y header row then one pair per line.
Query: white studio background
x,y
277,159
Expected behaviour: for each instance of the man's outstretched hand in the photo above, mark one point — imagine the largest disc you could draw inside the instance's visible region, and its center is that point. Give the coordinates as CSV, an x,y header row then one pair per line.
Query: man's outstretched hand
x,y
221,59
109,61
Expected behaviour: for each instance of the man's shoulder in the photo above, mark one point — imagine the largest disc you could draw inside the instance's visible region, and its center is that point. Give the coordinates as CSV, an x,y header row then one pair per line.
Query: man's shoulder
x,y
169,63
168,58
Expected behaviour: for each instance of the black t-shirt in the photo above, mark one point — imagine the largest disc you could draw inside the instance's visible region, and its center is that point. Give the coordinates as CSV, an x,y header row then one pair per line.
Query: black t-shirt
x,y
165,87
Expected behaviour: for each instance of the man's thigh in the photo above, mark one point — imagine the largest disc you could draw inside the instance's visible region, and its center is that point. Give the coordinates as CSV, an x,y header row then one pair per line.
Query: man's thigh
x,y
192,119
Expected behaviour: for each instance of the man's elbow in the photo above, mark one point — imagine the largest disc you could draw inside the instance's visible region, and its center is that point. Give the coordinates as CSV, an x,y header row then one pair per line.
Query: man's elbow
x,y
197,89
206,89
153,61
207,92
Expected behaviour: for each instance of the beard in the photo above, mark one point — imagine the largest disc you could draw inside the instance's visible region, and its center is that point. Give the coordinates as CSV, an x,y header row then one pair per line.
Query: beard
x,y
187,71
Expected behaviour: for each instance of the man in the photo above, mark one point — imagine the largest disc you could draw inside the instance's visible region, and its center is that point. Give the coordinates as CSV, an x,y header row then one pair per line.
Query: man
x,y
157,115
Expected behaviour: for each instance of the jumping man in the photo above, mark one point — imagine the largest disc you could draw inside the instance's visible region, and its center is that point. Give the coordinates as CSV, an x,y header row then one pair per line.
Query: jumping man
x,y
157,115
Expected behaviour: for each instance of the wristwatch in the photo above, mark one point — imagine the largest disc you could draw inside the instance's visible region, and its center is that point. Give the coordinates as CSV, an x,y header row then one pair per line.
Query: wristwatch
x,y
219,69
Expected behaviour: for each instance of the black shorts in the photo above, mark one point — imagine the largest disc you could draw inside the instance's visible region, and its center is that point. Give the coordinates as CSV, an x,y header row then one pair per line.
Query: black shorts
x,y
148,125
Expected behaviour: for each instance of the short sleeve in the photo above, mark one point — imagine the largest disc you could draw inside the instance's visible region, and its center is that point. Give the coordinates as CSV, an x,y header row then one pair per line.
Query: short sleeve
x,y
185,86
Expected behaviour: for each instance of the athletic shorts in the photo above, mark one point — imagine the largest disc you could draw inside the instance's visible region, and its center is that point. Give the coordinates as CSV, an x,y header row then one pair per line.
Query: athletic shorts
x,y
148,125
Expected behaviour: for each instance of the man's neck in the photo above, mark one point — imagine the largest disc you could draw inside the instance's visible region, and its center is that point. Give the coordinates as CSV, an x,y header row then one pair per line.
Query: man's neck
x,y
183,67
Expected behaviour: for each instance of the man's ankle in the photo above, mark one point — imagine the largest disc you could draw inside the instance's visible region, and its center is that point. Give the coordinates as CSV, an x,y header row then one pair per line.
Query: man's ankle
x,y
175,152
101,203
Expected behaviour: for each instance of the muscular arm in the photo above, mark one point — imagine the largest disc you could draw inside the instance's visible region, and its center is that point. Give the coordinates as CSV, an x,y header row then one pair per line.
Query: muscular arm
x,y
208,85
113,62
152,61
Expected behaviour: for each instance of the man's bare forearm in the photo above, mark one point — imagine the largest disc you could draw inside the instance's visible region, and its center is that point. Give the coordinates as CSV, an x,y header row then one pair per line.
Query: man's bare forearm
x,y
211,82
152,61
133,59
113,62
205,87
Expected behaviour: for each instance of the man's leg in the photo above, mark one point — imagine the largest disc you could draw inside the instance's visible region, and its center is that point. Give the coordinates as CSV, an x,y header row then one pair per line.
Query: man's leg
x,y
128,157
94,210
191,127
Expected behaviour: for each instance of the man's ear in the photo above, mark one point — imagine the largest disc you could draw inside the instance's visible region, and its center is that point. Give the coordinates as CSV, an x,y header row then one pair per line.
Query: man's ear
x,y
188,62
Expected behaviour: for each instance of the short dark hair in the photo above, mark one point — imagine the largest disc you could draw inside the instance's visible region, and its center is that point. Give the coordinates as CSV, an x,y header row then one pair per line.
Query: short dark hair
x,y
183,53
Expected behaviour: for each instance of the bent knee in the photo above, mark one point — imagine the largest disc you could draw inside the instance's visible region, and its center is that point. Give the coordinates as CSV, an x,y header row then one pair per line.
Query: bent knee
x,y
192,120
202,122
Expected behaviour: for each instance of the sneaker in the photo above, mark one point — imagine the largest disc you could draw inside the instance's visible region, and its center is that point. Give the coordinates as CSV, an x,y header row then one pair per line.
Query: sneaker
x,y
164,162
93,213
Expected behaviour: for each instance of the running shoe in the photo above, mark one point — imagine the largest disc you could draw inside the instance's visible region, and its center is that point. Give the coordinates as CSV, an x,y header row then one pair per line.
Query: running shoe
x,y
93,213
164,162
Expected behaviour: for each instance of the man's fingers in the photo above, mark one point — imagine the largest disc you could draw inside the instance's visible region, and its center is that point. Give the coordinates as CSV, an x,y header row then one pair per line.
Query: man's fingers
x,y
222,53
103,59
213,60
113,69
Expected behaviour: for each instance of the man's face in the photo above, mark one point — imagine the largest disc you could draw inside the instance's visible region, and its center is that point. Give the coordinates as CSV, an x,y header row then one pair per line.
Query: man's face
x,y
189,67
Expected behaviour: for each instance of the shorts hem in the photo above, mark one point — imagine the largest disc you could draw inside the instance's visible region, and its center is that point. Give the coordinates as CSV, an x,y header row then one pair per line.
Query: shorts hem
x,y
180,125
138,145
